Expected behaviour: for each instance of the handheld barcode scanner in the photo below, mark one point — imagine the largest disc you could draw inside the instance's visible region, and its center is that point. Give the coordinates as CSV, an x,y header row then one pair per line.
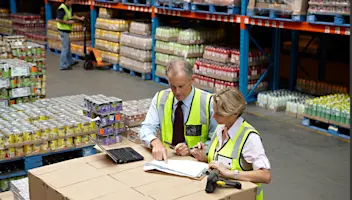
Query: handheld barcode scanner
x,y
214,181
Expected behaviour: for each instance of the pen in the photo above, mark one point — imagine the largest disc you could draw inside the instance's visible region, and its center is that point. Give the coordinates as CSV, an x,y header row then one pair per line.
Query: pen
x,y
170,145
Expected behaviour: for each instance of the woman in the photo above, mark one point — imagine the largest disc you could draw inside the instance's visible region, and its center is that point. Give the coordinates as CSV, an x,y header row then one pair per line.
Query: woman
x,y
236,149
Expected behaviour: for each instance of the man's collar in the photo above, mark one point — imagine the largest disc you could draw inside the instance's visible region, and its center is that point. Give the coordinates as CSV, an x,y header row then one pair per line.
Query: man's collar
x,y
188,100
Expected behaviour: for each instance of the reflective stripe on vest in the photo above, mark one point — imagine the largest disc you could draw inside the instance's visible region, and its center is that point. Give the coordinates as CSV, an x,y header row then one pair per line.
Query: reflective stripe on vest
x,y
198,116
232,149
67,16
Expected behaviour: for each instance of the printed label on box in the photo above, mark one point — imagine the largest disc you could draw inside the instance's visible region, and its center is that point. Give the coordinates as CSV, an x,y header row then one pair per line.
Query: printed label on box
x,y
4,83
20,71
20,92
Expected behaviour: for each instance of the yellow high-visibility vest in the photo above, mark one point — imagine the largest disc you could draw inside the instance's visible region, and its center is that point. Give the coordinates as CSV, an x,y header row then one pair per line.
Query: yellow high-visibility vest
x,y
232,149
197,126
67,16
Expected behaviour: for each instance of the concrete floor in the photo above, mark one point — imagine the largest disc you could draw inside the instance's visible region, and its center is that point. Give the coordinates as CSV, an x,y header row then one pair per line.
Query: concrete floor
x,y
305,165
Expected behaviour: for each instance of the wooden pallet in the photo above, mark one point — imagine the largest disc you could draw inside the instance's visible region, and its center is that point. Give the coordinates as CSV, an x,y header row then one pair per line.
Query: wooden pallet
x,y
274,14
215,9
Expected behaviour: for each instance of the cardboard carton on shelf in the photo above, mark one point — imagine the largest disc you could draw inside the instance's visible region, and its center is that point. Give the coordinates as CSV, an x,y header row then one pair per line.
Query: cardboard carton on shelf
x,y
97,177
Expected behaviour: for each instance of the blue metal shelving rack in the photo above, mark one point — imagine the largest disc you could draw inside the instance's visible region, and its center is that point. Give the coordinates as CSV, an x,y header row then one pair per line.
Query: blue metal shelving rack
x,y
246,23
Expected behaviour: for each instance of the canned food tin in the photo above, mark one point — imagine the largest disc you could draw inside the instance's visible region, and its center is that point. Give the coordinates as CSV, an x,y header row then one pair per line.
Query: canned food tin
x,y
44,147
19,152
86,127
94,136
70,128
85,139
78,127
2,154
2,141
53,145
37,134
69,142
77,140
27,150
36,148
27,135
93,125
54,131
61,130
11,152
9,138
61,143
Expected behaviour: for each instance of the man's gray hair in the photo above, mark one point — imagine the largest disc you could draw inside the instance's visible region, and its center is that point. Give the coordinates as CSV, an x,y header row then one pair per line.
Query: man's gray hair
x,y
180,65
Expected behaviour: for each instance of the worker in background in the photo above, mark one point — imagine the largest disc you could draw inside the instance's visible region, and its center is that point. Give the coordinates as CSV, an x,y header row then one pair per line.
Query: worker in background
x,y
236,148
183,114
65,19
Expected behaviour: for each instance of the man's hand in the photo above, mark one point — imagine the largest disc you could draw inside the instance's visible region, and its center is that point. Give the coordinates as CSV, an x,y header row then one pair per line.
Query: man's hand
x,y
82,18
158,150
182,149
199,152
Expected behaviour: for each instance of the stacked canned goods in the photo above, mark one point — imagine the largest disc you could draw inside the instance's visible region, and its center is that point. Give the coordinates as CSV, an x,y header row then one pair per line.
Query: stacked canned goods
x,y
107,111
44,126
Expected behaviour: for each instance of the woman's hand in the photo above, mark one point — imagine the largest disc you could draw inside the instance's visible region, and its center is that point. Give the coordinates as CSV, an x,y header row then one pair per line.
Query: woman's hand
x,y
199,152
221,167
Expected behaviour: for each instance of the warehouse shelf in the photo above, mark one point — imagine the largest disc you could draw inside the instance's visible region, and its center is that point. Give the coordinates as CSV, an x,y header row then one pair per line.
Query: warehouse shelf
x,y
121,6
245,22
299,26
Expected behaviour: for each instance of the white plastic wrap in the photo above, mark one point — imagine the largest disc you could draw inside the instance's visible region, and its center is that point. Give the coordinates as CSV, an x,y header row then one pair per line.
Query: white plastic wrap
x,y
136,41
112,24
135,65
141,28
113,47
136,54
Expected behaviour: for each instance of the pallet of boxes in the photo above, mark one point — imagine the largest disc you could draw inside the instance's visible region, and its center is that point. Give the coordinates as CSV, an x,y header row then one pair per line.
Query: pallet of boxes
x,y
294,10
135,53
108,30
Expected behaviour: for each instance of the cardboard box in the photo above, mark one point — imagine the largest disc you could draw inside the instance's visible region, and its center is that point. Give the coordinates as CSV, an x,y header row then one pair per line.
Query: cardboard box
x,y
101,179
7,196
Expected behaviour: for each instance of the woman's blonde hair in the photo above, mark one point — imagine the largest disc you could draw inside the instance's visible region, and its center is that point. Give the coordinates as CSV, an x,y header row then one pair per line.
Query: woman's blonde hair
x,y
229,101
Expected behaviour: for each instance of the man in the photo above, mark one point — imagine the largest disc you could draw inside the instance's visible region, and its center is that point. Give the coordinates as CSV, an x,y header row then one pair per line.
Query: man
x,y
183,114
64,20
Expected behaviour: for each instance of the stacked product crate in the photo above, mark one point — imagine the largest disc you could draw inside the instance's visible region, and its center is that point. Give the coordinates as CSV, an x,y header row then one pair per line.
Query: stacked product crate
x,y
175,43
30,25
107,35
5,22
136,46
107,113
219,68
23,75
284,100
134,113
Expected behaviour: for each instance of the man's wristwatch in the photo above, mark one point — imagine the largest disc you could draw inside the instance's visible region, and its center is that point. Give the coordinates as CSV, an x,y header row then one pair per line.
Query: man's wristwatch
x,y
236,172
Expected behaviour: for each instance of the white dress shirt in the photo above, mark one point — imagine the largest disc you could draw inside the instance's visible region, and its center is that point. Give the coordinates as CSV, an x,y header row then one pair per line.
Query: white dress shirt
x,y
152,122
253,151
